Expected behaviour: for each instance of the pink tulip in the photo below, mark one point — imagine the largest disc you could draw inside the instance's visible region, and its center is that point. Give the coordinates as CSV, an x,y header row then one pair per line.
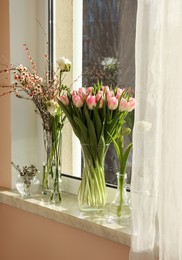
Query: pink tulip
x,y
91,102
119,92
100,98
112,103
81,92
105,89
78,101
64,99
109,94
89,90
123,105
131,104
74,92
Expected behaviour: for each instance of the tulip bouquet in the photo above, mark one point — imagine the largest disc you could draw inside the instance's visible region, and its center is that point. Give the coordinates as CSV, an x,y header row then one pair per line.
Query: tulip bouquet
x,y
95,113
43,92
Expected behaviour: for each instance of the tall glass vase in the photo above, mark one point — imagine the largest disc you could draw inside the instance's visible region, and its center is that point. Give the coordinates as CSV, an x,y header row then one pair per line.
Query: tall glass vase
x,y
92,190
51,179
47,165
56,185
56,182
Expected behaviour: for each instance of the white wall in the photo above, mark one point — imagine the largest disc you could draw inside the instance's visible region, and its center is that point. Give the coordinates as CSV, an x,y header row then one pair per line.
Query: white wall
x,y
25,124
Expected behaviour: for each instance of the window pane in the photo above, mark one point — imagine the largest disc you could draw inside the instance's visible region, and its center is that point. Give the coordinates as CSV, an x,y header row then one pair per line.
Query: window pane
x,y
109,53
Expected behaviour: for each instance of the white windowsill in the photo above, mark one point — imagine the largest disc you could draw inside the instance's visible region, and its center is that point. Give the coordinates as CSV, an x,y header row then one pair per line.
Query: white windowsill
x,y
68,213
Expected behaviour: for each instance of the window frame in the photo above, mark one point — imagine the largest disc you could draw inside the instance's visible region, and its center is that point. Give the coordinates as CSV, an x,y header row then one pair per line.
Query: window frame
x,y
53,38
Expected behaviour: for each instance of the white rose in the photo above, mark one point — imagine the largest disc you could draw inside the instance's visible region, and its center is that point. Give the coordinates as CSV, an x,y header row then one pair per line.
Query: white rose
x,y
52,107
64,64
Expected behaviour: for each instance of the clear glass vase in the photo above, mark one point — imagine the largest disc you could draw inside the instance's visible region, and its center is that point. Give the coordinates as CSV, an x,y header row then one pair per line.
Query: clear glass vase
x,y
47,166
120,207
92,190
27,185
51,168
56,186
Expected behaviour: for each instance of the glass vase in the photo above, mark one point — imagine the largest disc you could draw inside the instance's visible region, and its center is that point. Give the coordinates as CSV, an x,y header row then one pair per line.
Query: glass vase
x,y
120,207
27,185
56,185
47,166
92,190
51,169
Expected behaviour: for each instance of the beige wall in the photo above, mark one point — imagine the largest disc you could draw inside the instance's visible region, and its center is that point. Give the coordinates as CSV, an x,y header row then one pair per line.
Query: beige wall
x,y
20,127
5,139
25,236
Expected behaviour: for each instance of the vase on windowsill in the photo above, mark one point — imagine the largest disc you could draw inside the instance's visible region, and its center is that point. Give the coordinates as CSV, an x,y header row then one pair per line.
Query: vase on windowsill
x,y
27,186
53,121
51,181
56,185
92,190
120,207
95,114
47,165
27,183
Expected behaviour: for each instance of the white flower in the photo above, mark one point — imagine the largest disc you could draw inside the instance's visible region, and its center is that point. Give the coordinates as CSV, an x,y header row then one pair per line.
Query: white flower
x,y
52,107
109,63
143,126
64,64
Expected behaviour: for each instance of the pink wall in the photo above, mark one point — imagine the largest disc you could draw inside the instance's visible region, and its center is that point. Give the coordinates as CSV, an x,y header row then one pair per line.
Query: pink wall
x,y
30,237
5,136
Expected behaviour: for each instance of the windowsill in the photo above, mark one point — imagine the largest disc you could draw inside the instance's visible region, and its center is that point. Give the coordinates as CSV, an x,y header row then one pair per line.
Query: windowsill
x,y
68,213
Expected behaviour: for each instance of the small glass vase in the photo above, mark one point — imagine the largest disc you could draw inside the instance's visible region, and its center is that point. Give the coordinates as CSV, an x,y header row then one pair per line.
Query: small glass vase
x,y
120,207
27,185
56,186
92,190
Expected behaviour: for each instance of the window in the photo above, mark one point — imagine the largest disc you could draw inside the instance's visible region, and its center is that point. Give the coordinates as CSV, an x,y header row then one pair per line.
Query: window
x,y
95,34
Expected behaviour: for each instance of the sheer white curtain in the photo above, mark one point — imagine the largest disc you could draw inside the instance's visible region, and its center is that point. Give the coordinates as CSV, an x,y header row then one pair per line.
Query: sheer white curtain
x,y
157,164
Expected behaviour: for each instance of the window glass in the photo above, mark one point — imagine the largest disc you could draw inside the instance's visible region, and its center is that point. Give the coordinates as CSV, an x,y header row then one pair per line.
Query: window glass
x,y
109,55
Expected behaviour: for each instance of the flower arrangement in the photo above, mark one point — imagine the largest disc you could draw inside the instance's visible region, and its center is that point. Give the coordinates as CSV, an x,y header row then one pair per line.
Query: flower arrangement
x,y
27,171
43,92
27,183
99,109
95,113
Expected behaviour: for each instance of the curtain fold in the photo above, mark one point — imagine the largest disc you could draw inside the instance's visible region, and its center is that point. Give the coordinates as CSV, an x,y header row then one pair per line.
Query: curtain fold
x,y
156,186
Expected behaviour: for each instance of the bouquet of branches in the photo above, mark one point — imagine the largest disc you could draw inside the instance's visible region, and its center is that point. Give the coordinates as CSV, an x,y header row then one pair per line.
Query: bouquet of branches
x,y
43,92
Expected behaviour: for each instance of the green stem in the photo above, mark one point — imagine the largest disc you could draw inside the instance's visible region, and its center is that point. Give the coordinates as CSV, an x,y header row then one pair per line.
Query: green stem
x,y
92,190
56,175
121,178
45,178
56,193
